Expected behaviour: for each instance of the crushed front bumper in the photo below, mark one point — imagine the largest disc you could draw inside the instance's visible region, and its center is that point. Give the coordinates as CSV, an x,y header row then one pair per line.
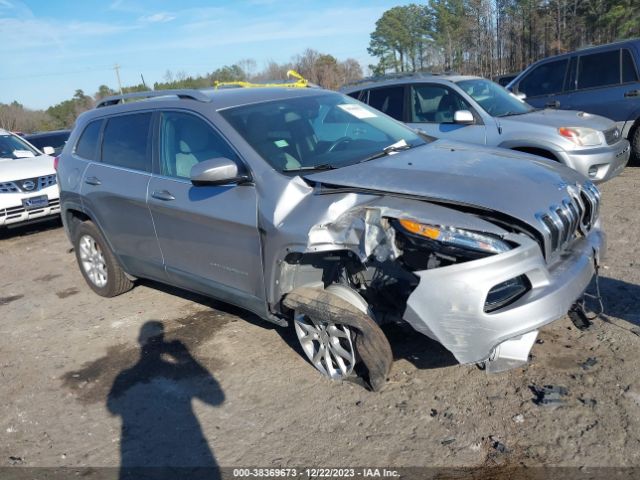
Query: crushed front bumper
x,y
448,304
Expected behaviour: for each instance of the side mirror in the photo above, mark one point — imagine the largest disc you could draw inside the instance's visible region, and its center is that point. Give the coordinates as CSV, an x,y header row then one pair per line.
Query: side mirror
x,y
48,150
520,96
216,171
464,117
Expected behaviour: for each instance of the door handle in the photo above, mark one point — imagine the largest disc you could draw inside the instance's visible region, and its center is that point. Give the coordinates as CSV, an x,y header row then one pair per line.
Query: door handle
x,y
163,195
554,104
92,181
632,93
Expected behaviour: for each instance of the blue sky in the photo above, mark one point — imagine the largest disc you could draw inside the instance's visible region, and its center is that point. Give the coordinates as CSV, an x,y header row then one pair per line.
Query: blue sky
x,y
49,48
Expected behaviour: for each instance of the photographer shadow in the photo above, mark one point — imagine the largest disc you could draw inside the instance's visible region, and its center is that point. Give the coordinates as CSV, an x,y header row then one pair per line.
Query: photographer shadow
x,y
161,436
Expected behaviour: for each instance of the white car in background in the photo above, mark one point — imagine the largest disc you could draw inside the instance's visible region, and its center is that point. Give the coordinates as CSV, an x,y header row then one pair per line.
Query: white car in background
x,y
28,185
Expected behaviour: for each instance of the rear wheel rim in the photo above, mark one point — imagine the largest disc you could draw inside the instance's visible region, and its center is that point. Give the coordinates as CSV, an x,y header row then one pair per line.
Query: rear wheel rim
x,y
329,346
92,260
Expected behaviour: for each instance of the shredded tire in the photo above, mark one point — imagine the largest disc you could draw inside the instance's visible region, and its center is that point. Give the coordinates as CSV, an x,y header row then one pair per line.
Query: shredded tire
x,y
371,343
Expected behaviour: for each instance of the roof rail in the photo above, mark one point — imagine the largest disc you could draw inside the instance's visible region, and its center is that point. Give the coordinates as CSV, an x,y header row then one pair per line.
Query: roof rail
x,y
190,94
399,75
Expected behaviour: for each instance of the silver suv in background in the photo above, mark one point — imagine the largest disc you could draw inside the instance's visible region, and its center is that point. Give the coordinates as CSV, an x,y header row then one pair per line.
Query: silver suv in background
x,y
476,110
312,209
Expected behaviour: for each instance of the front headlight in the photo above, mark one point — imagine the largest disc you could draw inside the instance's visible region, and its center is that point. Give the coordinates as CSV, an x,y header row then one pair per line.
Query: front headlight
x,y
584,137
456,237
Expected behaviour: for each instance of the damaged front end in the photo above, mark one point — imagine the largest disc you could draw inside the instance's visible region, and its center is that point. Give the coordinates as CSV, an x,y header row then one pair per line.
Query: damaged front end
x,y
479,289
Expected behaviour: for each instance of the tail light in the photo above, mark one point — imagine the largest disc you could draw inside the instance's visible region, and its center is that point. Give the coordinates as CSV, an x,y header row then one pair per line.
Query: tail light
x,y
56,160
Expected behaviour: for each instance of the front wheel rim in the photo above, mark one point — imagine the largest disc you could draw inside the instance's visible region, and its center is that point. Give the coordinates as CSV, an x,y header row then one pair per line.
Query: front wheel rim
x,y
328,346
92,260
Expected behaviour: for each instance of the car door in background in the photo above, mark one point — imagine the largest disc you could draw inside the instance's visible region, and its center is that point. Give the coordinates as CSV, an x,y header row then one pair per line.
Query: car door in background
x,y
604,83
432,110
114,190
544,85
208,234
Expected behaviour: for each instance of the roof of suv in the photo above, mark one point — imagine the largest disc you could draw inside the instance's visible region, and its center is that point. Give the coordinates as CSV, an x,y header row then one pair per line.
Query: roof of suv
x,y
589,49
405,79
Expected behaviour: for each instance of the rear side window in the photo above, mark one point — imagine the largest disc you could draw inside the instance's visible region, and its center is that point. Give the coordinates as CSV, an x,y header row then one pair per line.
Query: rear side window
x,y
599,69
629,73
126,140
545,79
88,143
388,100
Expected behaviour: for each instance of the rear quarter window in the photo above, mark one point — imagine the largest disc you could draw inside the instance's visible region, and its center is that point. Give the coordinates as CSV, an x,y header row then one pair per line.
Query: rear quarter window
x,y
87,145
629,73
126,142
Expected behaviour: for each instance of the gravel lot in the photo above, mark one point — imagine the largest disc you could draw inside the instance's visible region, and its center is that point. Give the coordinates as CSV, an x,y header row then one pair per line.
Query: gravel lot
x,y
226,388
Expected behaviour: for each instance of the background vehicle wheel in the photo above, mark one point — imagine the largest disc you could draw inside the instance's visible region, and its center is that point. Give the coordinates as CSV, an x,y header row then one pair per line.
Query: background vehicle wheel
x,y
635,146
330,346
98,265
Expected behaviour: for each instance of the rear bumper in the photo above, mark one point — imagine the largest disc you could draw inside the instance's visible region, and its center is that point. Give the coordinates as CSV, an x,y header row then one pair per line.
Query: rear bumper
x,y
448,303
601,164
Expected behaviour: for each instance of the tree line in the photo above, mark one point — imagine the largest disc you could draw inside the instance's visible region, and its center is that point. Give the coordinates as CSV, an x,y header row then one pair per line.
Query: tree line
x,y
319,68
491,37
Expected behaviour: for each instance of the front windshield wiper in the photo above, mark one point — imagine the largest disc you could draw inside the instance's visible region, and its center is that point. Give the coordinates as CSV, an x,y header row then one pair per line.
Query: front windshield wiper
x,y
322,166
510,113
393,148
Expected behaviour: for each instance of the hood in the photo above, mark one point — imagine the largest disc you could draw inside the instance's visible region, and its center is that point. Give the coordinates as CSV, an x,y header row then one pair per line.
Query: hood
x,y
560,118
513,183
20,168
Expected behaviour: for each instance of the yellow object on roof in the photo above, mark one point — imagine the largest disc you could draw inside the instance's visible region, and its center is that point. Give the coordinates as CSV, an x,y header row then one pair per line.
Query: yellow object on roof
x,y
301,82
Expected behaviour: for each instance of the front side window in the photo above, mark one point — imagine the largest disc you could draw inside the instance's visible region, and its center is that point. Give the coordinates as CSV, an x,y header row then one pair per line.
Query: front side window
x,y
88,143
599,69
493,98
186,140
545,79
125,142
435,104
302,133
12,146
388,100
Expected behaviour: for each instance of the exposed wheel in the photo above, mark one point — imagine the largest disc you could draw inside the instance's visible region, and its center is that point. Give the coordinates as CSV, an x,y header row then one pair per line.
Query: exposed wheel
x,y
98,265
634,139
330,346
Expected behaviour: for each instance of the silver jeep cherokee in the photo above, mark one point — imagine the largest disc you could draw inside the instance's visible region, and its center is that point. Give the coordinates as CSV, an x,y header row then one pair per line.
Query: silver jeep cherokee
x,y
308,207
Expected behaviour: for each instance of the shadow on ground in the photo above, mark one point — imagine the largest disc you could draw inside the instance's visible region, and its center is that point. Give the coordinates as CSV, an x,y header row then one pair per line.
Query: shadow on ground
x,y
621,299
30,229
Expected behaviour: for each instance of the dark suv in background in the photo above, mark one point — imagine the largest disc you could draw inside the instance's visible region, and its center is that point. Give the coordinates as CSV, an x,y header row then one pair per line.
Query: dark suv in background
x,y
601,80
54,139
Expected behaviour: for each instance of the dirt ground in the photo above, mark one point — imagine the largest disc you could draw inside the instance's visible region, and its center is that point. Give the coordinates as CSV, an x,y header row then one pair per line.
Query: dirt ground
x,y
226,388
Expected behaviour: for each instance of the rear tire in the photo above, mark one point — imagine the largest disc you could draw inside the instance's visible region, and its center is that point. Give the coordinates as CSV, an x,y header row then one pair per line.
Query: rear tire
x,y
634,140
98,265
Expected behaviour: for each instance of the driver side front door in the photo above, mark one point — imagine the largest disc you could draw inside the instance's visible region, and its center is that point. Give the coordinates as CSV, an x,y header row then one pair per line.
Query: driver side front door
x,y
208,235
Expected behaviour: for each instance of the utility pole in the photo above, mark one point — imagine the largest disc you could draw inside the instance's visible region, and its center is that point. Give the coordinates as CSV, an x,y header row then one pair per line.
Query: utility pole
x,y
116,67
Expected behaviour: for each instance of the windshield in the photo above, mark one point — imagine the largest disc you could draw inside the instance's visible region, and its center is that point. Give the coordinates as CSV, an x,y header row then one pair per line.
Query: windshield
x,y
496,101
14,147
324,131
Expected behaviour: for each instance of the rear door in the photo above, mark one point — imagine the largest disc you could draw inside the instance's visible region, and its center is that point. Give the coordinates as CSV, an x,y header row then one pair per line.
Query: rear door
x,y
114,191
432,108
606,83
208,234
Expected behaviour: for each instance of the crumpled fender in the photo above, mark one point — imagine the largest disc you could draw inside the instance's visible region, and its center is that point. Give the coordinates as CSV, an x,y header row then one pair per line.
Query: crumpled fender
x,y
371,343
